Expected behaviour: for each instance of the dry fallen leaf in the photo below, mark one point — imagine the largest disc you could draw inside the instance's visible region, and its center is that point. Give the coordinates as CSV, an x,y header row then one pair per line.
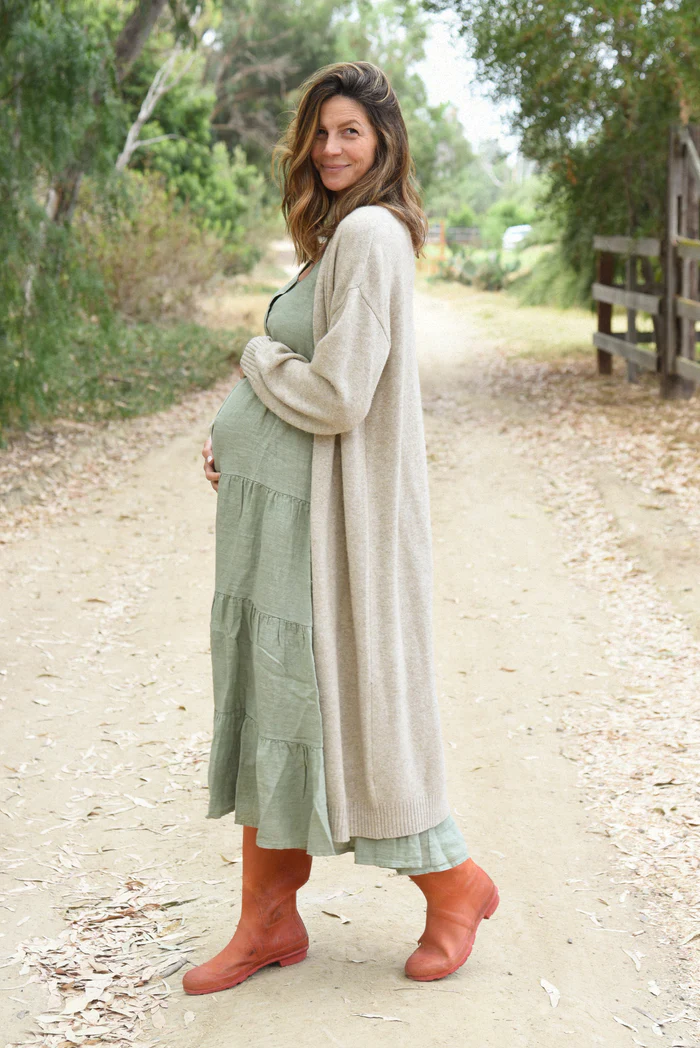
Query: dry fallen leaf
x,y
635,957
373,1015
158,1018
141,801
343,919
189,1017
552,991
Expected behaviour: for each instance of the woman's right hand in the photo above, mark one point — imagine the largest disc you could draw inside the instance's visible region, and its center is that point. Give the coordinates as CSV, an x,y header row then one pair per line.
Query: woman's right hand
x,y
209,469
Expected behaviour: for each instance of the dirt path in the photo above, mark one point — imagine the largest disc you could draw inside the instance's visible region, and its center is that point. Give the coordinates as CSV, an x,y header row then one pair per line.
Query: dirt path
x,y
112,875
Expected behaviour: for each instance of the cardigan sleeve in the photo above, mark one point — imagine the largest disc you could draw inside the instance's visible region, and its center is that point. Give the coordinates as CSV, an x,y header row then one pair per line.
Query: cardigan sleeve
x,y
331,393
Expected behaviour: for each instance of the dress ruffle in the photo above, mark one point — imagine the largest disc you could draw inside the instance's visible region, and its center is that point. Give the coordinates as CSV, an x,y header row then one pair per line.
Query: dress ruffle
x,y
280,789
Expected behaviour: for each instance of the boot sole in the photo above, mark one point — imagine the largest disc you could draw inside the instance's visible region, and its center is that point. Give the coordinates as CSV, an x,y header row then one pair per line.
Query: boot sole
x,y
290,958
489,912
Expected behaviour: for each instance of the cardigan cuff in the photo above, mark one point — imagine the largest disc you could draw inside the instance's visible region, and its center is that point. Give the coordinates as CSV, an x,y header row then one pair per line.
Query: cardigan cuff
x,y
249,363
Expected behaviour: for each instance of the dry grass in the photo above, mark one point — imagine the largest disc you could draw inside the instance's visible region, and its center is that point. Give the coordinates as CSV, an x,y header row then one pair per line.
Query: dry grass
x,y
535,332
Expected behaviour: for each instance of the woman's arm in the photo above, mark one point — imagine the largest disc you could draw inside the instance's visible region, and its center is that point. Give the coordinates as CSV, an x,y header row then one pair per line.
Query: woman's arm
x,y
332,393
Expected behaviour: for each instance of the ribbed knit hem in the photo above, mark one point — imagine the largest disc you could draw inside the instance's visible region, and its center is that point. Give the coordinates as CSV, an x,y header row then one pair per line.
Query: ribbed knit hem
x,y
388,820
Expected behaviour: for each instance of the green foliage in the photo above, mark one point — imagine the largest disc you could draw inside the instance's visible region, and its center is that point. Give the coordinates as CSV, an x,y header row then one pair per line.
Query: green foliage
x,y
464,216
49,77
553,281
476,267
223,191
120,370
63,116
499,216
64,292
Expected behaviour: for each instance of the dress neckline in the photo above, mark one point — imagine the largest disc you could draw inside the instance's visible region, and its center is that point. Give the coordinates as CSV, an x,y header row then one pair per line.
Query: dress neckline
x,y
298,279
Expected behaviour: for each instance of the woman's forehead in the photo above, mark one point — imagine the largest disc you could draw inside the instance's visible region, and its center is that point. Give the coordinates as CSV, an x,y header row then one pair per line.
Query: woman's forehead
x,y
339,109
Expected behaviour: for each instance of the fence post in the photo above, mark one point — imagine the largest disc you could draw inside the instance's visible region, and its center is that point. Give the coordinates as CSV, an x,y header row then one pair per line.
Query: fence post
x,y
606,271
690,286
631,285
672,385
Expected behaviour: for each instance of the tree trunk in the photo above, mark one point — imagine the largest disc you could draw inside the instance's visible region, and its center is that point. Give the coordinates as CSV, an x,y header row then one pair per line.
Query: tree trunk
x,y
135,34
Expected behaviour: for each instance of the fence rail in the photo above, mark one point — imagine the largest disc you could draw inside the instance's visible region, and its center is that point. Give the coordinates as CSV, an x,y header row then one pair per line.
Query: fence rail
x,y
441,233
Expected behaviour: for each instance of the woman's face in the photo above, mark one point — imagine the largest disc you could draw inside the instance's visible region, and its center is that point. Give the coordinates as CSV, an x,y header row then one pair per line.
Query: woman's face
x,y
345,143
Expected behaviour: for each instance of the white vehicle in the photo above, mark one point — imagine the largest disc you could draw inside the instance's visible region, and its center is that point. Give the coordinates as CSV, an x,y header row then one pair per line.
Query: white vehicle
x,y
514,235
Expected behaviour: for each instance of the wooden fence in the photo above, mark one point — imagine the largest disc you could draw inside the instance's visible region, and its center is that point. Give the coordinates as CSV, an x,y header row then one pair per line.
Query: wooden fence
x,y
673,304
441,233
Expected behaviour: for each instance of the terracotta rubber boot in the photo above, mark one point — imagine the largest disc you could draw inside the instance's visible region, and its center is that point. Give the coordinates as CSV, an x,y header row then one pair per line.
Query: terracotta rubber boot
x,y
457,901
270,929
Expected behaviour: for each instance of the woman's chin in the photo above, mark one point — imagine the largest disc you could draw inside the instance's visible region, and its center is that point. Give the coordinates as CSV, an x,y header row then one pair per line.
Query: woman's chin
x,y
336,185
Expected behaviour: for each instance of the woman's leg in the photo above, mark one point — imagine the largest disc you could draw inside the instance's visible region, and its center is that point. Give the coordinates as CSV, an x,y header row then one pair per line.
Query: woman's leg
x,y
270,929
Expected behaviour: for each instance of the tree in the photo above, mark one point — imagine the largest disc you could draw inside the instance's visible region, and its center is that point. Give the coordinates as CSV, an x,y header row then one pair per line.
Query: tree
x,y
596,84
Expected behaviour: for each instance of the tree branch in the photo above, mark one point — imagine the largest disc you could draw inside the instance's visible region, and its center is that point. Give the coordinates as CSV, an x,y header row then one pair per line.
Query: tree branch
x,y
163,81
151,141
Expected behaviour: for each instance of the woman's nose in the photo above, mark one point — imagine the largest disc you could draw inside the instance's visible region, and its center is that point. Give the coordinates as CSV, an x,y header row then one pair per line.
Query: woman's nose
x,y
332,146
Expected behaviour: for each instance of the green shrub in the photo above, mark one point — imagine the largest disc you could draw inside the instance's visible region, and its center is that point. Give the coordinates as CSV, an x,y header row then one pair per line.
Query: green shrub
x,y
552,281
485,270
463,216
115,370
223,194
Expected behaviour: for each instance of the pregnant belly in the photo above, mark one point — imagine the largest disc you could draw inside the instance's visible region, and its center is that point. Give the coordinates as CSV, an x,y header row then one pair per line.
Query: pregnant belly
x,y
251,441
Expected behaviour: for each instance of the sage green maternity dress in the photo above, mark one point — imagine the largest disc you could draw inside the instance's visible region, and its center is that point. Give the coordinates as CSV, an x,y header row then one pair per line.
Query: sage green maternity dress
x,y
266,760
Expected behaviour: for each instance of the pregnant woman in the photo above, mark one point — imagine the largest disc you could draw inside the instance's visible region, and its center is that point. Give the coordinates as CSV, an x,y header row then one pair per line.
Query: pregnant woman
x,y
326,727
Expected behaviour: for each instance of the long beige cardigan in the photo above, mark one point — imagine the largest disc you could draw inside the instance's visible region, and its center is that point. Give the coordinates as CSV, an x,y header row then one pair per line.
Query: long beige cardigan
x,y
371,554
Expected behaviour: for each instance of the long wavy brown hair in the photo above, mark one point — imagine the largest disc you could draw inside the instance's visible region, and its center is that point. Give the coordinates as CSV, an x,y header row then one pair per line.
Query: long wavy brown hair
x,y
313,212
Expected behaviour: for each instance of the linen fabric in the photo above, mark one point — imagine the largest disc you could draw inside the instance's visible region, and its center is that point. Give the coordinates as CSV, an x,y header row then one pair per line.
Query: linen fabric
x,y
370,536
266,761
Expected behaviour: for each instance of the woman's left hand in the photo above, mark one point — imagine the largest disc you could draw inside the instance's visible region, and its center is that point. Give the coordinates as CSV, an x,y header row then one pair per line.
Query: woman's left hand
x,y
210,471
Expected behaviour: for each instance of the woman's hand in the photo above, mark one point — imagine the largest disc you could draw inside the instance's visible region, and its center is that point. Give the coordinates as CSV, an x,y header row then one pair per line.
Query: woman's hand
x,y
241,373
209,469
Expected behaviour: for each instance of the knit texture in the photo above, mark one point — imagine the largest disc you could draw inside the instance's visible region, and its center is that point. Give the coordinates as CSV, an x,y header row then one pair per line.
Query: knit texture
x,y
371,554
